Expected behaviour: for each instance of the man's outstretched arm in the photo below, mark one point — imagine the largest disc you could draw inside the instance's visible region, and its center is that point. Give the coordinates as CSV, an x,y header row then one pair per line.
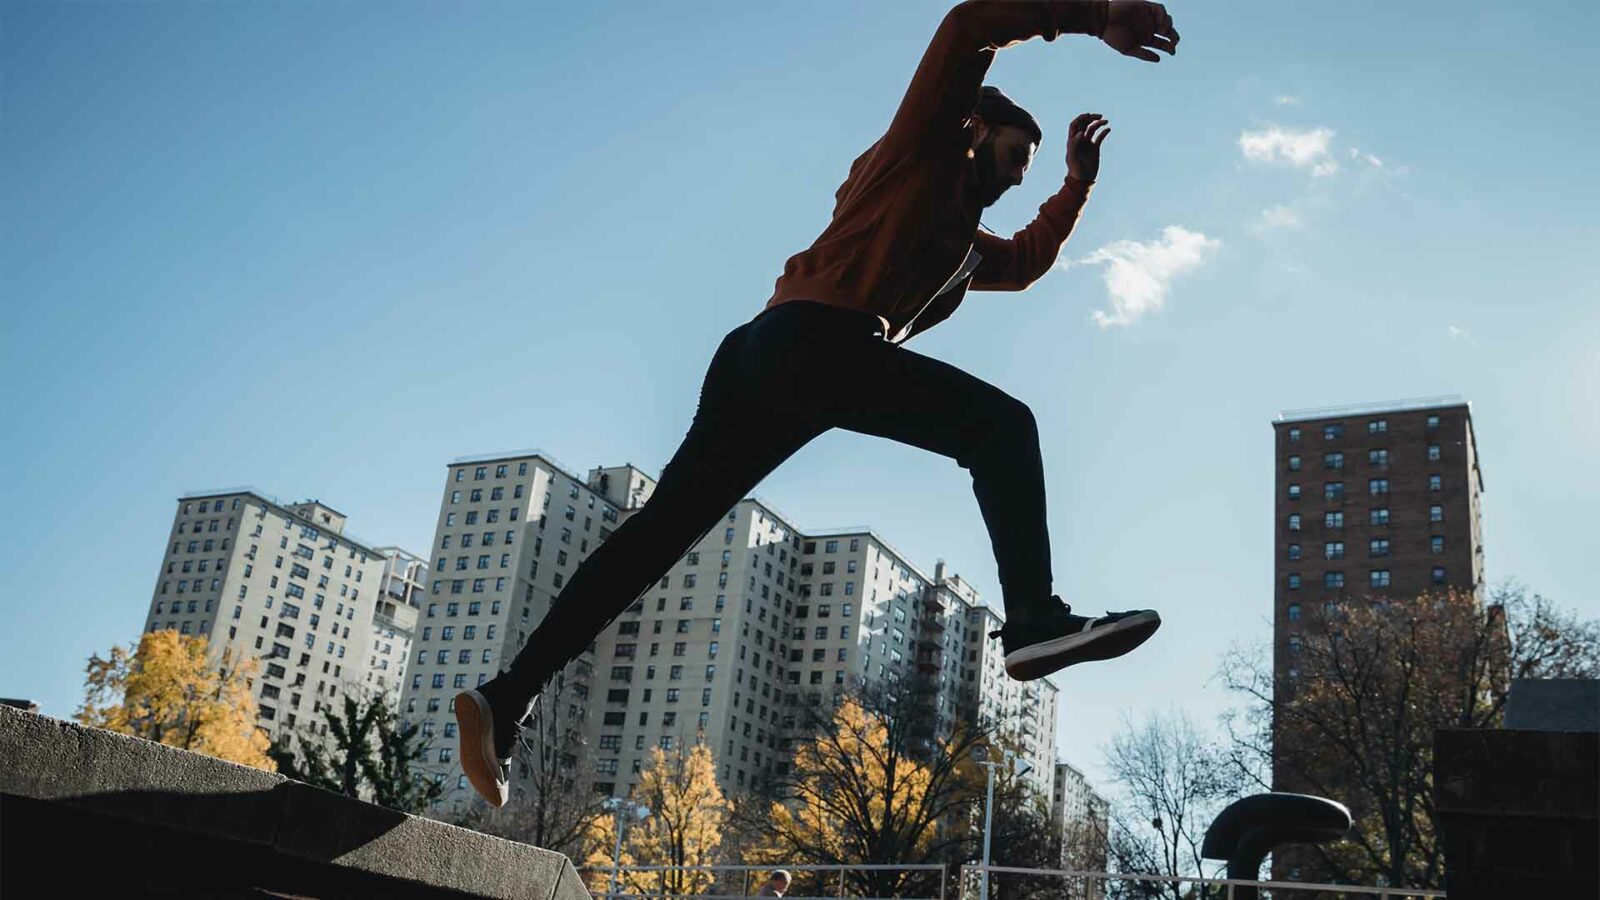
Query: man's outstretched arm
x,y
949,80
1133,28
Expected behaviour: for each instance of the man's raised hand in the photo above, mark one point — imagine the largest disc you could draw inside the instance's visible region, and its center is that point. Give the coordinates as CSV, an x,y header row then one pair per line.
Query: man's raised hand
x,y
1084,137
1138,28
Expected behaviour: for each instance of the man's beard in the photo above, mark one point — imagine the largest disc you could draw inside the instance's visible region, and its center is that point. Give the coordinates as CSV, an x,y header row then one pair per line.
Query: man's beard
x,y
989,186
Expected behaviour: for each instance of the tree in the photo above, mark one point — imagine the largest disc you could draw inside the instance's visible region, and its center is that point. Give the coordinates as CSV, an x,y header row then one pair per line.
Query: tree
x,y
169,691
1546,640
1370,682
395,783
370,756
874,786
683,829
603,852
1085,847
687,810
1172,782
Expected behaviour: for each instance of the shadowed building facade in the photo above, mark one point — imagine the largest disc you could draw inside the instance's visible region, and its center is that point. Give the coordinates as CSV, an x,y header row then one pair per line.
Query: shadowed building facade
x,y
1370,501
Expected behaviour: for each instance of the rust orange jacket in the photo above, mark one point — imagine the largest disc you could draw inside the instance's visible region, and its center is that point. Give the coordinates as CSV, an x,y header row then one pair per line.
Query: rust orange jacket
x,y
905,221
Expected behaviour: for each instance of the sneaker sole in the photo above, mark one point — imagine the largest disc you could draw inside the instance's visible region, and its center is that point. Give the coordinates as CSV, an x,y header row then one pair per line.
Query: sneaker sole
x,y
1103,642
478,761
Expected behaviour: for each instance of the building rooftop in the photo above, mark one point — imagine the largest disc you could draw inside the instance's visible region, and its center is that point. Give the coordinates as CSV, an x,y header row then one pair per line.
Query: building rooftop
x,y
283,509
1357,409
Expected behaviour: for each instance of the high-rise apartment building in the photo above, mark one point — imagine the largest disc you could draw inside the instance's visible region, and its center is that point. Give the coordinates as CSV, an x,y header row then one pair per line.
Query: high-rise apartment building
x,y
279,583
760,622
1378,500
511,528
755,622
1082,818
394,620
1371,501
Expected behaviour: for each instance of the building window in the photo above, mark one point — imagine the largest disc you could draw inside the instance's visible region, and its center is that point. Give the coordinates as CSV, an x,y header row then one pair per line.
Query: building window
x,y
1438,574
1435,482
1294,435
1294,522
1294,551
1333,579
1331,432
1378,426
1378,457
1435,514
1333,520
1433,422
1333,491
1433,453
1436,544
1378,578
1333,550
1377,487
1378,547
1333,460
1294,612
1378,516
1294,463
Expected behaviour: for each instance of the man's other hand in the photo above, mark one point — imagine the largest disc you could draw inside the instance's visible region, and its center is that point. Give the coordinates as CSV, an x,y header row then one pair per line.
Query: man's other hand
x,y
1084,137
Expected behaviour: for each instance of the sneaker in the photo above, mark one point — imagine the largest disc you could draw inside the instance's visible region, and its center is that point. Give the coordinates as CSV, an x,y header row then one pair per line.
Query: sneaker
x,y
485,760
1049,639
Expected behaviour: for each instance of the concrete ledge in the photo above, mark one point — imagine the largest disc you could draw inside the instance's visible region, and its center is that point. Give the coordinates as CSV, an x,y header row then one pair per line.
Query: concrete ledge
x,y
190,824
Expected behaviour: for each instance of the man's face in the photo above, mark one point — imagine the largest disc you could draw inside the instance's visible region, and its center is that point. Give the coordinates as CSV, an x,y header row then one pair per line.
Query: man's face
x,y
1003,157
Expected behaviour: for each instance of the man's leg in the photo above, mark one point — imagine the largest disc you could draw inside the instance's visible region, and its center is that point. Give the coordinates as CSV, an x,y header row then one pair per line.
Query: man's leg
x,y
721,459
719,462
861,383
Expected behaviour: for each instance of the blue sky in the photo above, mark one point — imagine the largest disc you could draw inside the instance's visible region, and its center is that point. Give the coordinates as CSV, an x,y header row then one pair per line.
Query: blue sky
x,y
325,248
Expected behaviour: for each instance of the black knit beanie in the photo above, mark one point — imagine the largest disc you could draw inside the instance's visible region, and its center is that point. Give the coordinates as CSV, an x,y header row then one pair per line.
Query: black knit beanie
x,y
997,109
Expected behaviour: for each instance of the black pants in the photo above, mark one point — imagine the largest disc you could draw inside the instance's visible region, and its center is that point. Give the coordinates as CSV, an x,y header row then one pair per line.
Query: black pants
x,y
777,381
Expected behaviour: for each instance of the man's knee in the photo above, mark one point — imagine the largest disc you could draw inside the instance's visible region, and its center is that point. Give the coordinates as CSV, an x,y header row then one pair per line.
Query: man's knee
x,y
1015,417
1003,423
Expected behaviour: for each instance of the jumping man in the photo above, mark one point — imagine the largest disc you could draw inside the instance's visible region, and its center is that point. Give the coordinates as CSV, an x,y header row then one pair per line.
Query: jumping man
x,y
827,351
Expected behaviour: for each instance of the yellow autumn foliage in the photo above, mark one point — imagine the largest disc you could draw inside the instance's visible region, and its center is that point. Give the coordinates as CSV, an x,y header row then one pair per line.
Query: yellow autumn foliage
x,y
169,691
683,827
853,785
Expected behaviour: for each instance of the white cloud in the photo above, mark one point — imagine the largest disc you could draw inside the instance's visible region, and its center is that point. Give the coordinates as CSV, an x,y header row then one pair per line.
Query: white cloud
x,y
1457,333
1276,218
1138,274
1367,158
1301,149
1286,100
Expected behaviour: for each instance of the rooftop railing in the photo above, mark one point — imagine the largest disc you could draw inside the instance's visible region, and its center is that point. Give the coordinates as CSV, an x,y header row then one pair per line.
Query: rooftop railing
x,y
1357,409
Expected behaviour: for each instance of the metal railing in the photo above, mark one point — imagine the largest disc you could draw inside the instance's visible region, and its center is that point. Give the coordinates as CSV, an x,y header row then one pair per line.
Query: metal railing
x,y
1353,409
1093,885
1080,884
746,887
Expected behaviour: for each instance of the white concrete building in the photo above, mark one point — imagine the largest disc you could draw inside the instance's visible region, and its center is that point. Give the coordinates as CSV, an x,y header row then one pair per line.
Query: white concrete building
x,y
280,583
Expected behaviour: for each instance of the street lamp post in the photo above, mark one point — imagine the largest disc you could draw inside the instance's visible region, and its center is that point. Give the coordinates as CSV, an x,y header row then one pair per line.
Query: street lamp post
x,y
617,805
1021,767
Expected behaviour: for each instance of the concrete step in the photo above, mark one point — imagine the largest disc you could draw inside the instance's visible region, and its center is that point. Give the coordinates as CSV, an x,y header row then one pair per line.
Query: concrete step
x,y
85,811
